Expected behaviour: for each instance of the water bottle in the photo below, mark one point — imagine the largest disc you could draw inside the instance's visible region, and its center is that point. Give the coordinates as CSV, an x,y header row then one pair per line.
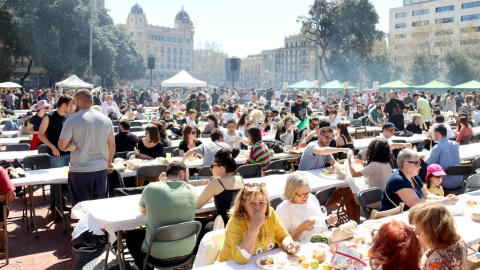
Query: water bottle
x,y
272,127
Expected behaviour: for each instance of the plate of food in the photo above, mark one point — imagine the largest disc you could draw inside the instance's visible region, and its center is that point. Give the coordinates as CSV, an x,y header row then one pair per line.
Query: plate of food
x,y
269,262
328,172
373,224
471,203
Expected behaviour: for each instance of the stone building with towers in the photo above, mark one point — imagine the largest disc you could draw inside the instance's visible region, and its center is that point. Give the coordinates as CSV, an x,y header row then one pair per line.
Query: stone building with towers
x,y
172,47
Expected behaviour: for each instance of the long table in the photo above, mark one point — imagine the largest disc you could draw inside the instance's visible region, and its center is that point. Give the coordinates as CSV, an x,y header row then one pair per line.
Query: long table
x,y
464,224
240,160
8,141
18,155
363,143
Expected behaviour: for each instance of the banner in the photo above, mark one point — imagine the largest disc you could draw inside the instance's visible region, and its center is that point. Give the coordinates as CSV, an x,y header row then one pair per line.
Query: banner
x,y
345,85
315,84
375,85
285,85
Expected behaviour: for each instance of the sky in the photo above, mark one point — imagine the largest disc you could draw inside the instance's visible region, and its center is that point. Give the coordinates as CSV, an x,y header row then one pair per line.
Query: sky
x,y
241,27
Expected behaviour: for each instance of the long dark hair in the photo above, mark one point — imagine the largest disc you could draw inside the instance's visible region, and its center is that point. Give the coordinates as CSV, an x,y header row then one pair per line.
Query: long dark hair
x,y
226,158
379,151
214,120
344,131
241,122
186,130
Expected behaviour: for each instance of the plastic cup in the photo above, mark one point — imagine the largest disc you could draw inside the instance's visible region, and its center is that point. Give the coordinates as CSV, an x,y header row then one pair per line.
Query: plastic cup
x,y
169,156
66,172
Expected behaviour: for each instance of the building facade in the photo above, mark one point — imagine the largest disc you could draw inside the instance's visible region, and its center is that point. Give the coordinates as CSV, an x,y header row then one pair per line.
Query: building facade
x,y
171,47
440,21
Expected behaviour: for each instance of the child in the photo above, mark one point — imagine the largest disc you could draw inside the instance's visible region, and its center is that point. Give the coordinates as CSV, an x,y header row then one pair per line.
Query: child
x,y
434,178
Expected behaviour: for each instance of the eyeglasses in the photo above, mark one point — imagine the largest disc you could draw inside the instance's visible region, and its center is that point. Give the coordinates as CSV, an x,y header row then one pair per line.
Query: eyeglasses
x,y
304,195
251,185
213,165
326,137
193,132
417,163
391,130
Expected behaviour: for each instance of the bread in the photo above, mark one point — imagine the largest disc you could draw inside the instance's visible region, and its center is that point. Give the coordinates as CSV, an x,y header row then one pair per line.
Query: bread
x,y
476,216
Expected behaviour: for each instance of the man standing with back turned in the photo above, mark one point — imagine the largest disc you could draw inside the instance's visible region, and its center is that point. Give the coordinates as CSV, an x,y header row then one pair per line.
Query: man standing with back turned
x,y
92,133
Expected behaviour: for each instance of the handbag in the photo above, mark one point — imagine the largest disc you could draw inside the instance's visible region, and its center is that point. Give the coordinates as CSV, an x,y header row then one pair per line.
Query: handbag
x,y
404,133
275,145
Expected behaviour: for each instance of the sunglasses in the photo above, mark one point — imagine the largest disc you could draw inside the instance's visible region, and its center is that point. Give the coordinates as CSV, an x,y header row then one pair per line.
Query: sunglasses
x,y
417,163
193,132
252,185
327,138
213,165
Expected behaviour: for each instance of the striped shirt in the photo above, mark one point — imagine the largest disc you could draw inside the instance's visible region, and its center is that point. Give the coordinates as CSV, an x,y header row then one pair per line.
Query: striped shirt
x,y
259,154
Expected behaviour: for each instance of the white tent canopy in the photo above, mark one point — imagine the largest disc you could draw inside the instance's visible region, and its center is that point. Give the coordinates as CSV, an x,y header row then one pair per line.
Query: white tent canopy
x,y
183,79
73,82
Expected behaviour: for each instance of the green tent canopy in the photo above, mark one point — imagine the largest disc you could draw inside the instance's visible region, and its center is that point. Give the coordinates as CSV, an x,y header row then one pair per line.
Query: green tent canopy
x,y
395,85
335,85
468,85
433,85
302,84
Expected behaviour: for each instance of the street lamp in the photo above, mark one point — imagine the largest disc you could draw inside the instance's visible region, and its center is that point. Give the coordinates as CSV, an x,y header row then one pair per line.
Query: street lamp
x,y
151,66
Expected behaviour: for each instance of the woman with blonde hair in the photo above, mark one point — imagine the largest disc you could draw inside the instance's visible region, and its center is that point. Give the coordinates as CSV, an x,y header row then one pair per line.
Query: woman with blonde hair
x,y
436,229
253,227
300,212
288,131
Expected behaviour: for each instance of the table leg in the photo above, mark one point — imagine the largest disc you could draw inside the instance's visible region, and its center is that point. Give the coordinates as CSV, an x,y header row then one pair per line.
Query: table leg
x,y
32,209
107,253
120,255
59,200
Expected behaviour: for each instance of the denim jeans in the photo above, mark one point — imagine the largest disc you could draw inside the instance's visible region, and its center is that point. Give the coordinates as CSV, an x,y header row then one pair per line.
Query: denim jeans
x,y
57,162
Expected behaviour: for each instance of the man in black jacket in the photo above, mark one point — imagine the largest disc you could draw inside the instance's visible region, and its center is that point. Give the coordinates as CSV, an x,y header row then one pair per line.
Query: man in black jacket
x,y
300,108
124,139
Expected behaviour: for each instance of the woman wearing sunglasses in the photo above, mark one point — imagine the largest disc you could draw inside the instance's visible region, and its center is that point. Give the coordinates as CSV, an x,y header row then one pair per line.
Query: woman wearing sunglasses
x,y
189,140
406,186
300,212
254,227
268,122
225,185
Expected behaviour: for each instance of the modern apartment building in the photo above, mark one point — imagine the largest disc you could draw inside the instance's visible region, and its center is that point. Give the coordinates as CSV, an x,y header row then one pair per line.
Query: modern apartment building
x,y
434,19
172,47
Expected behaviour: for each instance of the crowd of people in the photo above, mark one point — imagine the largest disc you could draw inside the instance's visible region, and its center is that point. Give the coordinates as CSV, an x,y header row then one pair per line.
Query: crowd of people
x,y
77,127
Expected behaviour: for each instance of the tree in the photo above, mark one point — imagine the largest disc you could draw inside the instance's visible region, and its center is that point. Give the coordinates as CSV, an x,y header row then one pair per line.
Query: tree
x,y
129,62
210,62
346,36
7,63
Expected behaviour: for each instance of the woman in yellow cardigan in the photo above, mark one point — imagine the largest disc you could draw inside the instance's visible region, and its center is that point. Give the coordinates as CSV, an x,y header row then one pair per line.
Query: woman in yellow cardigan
x,y
253,227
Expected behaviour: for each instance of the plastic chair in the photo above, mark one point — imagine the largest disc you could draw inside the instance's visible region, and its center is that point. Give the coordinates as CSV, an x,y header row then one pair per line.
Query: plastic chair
x,y
275,202
355,123
323,196
115,129
42,149
204,173
175,153
135,124
18,147
276,167
172,233
467,140
170,149
369,196
249,170
360,132
25,141
476,138
473,183
121,155
150,171
3,227
115,122
136,129
465,171
209,248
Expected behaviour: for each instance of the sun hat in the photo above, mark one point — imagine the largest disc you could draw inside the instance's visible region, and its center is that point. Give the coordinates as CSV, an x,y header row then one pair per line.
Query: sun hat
x,y
434,169
388,125
42,104
463,120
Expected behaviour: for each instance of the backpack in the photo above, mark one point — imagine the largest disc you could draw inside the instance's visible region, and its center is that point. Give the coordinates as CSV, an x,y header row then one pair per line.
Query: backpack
x,y
275,145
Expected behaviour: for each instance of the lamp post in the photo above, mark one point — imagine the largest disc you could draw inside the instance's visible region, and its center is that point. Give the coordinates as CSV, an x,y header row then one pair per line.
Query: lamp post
x,y
316,40
151,66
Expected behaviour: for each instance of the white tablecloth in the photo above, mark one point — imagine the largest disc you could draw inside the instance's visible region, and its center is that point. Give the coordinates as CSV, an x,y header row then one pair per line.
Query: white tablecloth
x,y
8,141
10,133
19,155
122,213
351,130
240,160
363,143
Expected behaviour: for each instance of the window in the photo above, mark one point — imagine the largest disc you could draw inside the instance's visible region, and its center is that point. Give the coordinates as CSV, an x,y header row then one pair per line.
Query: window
x,y
187,52
446,8
174,59
420,12
174,66
471,5
162,50
400,25
401,15
168,66
469,42
444,32
180,51
169,58
444,20
441,44
419,23
420,34
470,17
187,40
168,50
139,34
400,36
174,50
471,29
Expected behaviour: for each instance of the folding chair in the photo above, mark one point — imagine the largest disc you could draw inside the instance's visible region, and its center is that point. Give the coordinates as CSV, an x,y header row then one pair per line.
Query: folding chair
x,y
249,170
323,196
467,140
473,183
43,149
121,155
355,123
150,172
135,124
367,197
18,147
204,173
360,132
35,162
173,233
136,129
276,167
465,171
175,153
275,202
3,226
170,149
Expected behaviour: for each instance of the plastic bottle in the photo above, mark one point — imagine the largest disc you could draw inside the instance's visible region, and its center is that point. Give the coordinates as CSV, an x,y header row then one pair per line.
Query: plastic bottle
x,y
272,127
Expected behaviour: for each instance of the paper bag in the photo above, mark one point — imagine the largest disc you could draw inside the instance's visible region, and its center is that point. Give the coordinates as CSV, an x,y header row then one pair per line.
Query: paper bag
x,y
347,259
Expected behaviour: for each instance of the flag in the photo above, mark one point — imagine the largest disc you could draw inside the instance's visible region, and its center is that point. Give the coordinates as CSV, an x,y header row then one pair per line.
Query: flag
x,y
304,123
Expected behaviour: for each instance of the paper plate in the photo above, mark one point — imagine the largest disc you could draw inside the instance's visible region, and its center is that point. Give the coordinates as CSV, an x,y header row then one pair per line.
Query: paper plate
x,y
258,262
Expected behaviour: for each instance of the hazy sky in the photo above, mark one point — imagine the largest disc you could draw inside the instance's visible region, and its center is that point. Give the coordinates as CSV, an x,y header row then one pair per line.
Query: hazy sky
x,y
241,27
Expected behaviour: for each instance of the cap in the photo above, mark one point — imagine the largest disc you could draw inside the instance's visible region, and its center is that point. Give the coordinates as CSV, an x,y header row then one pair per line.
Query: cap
x,y
463,120
388,125
434,169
